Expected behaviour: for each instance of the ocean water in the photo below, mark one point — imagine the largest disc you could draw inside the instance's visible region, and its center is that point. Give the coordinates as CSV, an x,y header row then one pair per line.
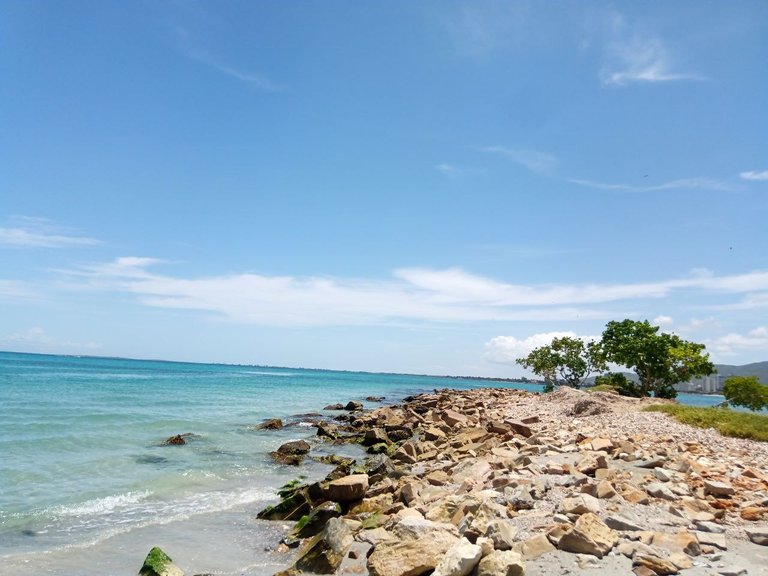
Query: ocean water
x,y
87,486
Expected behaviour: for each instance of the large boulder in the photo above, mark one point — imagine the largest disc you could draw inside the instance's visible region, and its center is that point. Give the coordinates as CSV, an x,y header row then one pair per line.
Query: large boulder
x,y
589,536
158,563
459,560
295,447
271,424
348,488
291,453
417,548
580,504
324,553
501,563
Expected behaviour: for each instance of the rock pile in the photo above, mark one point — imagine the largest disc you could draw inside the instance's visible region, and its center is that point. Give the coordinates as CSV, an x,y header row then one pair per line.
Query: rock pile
x,y
499,481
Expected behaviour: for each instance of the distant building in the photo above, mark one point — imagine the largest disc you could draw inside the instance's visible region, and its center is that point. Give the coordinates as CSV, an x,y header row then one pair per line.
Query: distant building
x,y
704,385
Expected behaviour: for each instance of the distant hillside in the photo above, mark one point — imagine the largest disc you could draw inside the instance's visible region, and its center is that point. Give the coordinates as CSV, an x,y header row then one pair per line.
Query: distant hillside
x,y
759,369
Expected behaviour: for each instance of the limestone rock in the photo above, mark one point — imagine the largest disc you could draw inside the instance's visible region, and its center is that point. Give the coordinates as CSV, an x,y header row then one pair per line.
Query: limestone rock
x,y
433,434
375,436
536,546
328,430
271,424
660,490
520,428
347,489
502,533
452,418
501,563
324,553
589,536
753,513
418,547
659,565
580,504
355,560
158,563
758,535
678,542
621,523
295,447
352,406
708,539
459,560
605,490
718,488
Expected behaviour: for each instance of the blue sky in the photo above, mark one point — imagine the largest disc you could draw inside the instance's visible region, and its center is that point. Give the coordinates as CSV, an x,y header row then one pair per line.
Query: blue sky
x,y
431,187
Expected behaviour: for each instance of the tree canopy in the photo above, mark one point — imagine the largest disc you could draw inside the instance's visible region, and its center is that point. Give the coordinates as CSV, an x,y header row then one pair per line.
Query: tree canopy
x,y
746,391
566,360
660,360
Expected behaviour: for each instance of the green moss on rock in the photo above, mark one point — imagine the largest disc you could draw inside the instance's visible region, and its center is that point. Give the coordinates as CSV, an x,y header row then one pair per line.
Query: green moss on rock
x,y
155,563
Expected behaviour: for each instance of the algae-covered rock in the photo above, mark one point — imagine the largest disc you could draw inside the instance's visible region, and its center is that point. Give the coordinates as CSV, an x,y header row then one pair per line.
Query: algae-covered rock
x,y
158,563
293,506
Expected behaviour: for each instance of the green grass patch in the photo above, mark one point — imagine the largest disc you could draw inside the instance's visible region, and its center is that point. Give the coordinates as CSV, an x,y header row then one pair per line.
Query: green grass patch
x,y
727,422
603,388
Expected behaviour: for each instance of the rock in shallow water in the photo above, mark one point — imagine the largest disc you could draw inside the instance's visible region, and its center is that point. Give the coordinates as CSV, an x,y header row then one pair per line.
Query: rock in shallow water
x,y
158,563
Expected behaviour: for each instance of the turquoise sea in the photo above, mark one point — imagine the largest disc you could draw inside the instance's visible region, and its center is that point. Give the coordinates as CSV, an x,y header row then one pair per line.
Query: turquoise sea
x,y
86,486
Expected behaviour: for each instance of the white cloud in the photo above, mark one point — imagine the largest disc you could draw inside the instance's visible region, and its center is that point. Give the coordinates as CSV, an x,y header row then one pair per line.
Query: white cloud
x,y
507,349
448,170
679,184
752,175
663,321
534,160
36,339
40,233
733,343
751,301
636,57
411,294
15,289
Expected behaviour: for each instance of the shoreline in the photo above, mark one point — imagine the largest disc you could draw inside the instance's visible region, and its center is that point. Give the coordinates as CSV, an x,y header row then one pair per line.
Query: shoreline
x,y
544,483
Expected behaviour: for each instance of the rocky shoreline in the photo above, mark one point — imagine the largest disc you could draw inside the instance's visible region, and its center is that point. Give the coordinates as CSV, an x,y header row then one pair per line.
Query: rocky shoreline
x,y
506,482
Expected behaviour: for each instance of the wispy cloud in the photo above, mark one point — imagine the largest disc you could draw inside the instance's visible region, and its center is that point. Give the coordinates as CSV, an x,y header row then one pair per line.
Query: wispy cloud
x,y
448,170
37,339
411,294
28,232
479,28
734,343
256,81
636,57
13,289
534,160
753,175
679,184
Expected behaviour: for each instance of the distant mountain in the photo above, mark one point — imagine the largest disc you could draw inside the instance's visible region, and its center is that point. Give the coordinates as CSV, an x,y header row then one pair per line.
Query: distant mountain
x,y
759,369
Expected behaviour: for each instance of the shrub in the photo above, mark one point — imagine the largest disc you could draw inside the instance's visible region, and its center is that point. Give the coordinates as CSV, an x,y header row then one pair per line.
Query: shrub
x,y
746,391
620,383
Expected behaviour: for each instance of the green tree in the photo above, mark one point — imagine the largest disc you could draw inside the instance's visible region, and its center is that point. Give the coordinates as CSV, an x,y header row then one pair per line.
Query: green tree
x,y
660,360
746,391
566,360
620,383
